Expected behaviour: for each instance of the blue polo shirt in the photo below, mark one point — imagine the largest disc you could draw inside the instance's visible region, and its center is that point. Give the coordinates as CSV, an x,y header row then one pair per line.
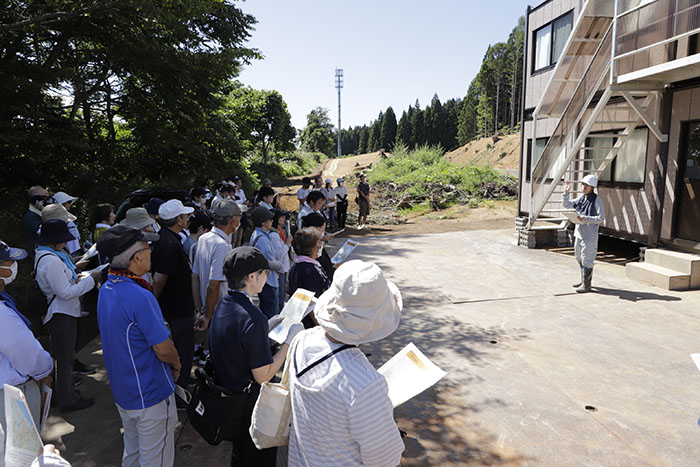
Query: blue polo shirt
x,y
238,341
131,323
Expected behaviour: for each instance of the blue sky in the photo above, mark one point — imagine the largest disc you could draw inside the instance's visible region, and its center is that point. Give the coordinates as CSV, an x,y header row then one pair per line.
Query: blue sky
x,y
392,52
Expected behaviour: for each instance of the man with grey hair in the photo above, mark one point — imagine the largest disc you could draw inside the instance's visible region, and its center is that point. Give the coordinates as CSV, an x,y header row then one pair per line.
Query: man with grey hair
x,y
172,278
141,360
208,280
37,196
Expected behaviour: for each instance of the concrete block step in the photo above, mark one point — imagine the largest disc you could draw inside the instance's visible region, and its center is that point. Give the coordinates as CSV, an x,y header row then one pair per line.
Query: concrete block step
x,y
685,263
658,276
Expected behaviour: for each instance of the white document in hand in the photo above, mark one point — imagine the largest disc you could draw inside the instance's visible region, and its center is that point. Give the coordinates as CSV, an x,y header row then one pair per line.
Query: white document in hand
x,y
408,373
342,254
23,440
296,308
572,216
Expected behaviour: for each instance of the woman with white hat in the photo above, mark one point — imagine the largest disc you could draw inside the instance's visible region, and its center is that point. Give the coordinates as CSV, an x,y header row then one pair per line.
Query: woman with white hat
x,y
341,412
591,213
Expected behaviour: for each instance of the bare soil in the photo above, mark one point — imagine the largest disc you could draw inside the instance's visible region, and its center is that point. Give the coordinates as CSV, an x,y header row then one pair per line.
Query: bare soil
x,y
490,215
500,152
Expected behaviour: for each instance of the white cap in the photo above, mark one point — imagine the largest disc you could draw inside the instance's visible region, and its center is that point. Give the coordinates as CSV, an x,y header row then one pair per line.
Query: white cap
x,y
173,208
591,180
328,180
63,197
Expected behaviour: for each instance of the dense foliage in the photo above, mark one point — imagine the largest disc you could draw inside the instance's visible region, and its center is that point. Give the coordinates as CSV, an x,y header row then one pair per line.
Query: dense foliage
x,y
319,134
492,105
411,177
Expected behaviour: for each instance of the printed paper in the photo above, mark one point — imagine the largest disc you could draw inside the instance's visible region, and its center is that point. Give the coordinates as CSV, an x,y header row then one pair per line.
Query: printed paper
x,y
408,373
344,251
296,308
23,440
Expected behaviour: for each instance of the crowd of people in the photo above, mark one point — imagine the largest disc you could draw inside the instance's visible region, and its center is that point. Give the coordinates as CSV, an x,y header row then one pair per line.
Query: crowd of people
x,y
215,270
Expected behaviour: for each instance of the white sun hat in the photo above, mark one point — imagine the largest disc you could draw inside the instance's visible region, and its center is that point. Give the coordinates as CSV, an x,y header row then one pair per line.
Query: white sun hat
x,y
360,306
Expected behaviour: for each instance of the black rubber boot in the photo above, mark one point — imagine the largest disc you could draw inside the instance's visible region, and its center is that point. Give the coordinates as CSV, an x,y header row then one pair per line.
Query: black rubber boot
x,y
587,278
580,282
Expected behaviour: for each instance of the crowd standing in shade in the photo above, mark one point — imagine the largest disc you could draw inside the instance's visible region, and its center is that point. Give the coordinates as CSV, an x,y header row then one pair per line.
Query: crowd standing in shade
x,y
175,269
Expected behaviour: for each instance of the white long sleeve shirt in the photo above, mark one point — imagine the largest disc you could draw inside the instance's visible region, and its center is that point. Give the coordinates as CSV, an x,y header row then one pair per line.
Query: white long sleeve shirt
x,y
341,412
21,355
56,280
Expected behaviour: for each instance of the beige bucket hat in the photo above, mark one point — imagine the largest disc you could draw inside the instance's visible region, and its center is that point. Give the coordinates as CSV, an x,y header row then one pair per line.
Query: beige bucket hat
x,y
56,211
360,306
137,218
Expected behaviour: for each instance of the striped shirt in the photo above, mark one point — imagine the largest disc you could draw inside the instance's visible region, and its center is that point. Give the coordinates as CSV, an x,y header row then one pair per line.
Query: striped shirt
x,y
341,412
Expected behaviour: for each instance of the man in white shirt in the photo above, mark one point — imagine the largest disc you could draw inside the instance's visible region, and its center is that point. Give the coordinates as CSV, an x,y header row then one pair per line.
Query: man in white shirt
x,y
341,197
23,362
314,203
208,280
329,192
304,191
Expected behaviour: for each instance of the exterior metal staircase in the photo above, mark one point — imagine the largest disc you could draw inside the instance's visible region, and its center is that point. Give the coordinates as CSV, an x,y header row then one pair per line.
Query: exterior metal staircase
x,y
584,93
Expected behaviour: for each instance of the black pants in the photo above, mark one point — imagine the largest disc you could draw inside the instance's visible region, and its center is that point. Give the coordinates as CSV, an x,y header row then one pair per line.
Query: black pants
x,y
342,214
62,332
244,452
182,330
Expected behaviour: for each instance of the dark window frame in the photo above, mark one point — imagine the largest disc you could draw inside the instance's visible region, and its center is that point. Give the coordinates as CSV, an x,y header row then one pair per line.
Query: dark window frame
x,y
552,60
528,156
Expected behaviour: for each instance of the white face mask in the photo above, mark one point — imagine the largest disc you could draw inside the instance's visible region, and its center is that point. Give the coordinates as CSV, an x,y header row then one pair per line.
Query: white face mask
x,y
13,275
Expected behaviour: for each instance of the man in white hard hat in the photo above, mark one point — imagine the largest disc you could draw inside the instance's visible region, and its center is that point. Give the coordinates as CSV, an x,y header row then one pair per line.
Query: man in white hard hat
x,y
591,213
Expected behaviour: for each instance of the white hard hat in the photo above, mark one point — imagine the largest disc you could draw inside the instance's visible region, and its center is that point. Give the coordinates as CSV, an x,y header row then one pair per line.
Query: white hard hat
x,y
591,180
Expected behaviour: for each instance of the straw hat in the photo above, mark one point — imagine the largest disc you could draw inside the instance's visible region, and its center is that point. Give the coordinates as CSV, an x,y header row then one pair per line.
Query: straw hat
x,y
360,306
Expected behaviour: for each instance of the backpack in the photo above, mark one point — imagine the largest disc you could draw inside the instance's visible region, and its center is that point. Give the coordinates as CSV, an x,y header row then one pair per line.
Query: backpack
x,y
37,303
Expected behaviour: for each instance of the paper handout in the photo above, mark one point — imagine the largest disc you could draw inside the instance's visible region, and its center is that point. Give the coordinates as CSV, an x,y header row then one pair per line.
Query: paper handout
x,y
45,405
572,216
23,440
696,359
296,308
92,251
342,254
408,373
98,268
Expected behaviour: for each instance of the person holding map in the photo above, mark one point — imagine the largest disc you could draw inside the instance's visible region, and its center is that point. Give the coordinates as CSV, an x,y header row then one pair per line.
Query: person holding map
x,y
340,403
23,361
591,213
307,273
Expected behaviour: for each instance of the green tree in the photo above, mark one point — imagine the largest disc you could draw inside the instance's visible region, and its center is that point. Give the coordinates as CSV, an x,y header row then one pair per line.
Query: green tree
x,y
403,132
388,130
364,140
261,118
319,134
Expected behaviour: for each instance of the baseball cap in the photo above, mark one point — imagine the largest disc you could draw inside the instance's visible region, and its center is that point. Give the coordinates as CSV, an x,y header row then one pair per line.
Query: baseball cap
x,y
7,253
225,208
121,237
63,197
245,260
328,180
173,208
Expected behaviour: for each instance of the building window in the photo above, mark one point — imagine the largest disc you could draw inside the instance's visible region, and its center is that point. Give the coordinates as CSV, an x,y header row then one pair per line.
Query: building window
x,y
629,166
532,159
550,40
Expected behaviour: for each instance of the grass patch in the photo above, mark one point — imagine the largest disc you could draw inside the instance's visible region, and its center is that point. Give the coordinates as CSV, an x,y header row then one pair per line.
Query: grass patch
x,y
423,177
286,164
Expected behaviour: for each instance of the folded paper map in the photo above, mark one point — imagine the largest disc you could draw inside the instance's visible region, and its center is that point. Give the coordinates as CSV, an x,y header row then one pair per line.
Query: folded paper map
x,y
408,373
23,441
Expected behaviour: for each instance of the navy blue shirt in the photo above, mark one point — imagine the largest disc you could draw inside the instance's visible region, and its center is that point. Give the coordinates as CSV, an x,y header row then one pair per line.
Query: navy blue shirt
x,y
238,341
130,325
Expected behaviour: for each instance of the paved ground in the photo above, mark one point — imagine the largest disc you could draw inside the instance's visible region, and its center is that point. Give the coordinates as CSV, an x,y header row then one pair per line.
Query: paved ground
x,y
525,356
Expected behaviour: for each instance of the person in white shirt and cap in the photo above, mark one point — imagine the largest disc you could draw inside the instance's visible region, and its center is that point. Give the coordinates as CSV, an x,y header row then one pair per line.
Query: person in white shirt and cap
x,y
591,213
340,403
329,193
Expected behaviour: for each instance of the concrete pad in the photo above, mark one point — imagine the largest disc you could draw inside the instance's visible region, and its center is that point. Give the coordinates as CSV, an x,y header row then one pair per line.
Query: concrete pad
x,y
525,357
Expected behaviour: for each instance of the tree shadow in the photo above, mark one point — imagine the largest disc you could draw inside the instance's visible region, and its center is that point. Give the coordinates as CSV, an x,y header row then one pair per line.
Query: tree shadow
x,y
635,295
439,429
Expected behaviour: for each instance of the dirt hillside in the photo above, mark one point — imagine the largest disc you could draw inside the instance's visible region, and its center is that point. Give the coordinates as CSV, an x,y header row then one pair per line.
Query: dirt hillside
x,y
500,152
